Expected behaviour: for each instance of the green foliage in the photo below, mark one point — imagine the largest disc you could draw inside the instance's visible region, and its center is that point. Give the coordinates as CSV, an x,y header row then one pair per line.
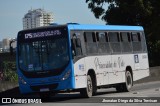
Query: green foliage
x,y
154,53
129,12
145,13
9,71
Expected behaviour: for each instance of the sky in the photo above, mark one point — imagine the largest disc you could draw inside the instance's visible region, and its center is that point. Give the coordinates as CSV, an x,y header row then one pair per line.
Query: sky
x,y
64,11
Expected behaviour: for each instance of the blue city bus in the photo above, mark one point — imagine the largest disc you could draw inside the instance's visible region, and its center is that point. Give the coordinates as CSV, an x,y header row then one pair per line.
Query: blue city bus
x,y
80,58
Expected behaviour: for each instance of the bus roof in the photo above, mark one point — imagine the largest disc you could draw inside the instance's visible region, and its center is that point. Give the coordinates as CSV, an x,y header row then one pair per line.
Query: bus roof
x,y
75,26
103,27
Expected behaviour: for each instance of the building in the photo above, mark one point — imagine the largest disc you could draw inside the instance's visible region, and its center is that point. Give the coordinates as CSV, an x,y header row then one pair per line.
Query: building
x,y
5,44
1,44
1,47
36,18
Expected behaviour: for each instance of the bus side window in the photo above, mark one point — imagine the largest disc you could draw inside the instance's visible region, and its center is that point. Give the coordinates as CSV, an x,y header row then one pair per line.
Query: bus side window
x,y
73,47
126,42
90,42
103,46
114,42
136,37
143,41
76,46
136,42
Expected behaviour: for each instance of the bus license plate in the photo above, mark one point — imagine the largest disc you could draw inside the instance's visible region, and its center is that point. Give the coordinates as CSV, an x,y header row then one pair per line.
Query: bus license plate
x,y
44,89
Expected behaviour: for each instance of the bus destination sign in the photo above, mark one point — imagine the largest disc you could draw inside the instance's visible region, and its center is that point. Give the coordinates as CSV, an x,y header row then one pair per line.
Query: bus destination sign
x,y
42,34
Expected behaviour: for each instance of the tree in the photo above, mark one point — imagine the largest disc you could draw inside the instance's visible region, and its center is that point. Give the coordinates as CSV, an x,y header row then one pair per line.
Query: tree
x,y
130,12
145,13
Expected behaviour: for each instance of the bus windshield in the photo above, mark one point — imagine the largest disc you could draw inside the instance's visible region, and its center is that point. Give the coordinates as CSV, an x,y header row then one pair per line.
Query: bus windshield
x,y
44,54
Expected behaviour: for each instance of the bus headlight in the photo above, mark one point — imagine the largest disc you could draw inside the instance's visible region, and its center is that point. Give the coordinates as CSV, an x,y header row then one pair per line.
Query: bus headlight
x,y
66,75
22,80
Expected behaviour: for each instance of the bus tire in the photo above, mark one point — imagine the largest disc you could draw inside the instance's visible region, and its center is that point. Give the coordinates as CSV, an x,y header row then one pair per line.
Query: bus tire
x,y
129,81
127,86
88,91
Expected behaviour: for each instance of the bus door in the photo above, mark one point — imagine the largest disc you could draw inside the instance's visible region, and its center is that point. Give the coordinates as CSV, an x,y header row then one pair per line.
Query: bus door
x,y
78,58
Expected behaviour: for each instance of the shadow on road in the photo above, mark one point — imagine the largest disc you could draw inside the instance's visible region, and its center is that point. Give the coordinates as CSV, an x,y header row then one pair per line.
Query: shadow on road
x,y
60,97
10,93
74,97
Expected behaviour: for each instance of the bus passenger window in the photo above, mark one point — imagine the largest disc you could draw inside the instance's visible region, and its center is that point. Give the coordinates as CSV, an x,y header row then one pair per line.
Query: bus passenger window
x,y
76,46
114,42
91,45
144,46
73,48
136,42
125,42
103,46
136,37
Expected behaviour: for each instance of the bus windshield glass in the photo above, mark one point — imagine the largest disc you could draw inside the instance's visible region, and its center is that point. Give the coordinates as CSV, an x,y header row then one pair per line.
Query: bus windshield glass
x,y
41,54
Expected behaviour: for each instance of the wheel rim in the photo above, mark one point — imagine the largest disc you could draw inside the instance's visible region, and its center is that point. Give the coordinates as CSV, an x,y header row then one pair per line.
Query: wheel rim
x,y
129,80
89,86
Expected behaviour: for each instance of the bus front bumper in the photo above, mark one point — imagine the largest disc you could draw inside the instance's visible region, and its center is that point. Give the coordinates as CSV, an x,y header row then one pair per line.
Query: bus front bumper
x,y
46,87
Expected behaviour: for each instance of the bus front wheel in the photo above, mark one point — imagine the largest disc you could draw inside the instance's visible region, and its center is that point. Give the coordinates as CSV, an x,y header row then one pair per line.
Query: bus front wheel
x,y
88,91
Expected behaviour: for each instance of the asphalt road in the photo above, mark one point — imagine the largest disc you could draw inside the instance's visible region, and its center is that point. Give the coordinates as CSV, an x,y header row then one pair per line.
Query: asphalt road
x,y
139,92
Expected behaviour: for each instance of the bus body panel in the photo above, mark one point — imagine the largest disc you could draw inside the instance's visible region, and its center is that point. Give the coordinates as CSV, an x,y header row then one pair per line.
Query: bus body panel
x,y
80,73
110,71
108,68
141,66
116,63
